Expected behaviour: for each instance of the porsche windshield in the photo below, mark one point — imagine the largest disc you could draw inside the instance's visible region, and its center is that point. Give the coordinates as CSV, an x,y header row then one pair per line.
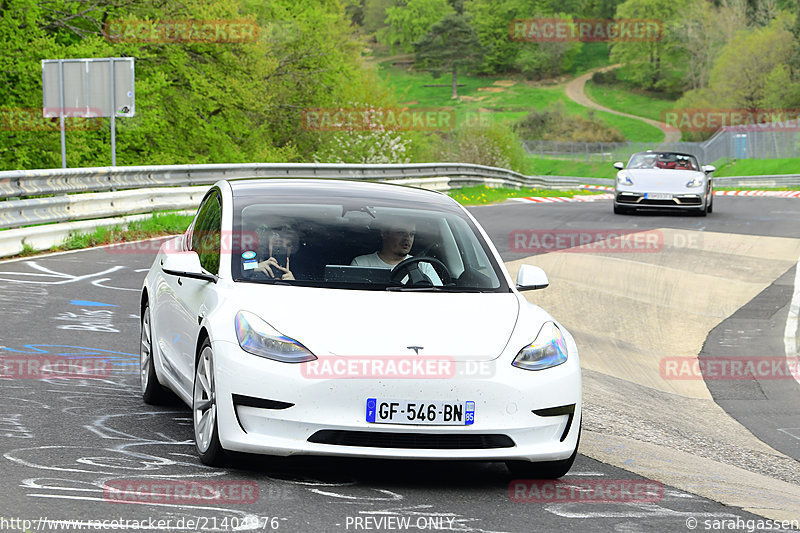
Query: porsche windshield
x,y
361,246
663,160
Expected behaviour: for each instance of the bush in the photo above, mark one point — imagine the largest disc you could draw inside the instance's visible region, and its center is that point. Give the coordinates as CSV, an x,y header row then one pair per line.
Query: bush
x,y
493,144
555,124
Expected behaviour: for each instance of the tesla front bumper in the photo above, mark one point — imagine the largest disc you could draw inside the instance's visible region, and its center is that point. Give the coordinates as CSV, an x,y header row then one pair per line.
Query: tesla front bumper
x,y
271,408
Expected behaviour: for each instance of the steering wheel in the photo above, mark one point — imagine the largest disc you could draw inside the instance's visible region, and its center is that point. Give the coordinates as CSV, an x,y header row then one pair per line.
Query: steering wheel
x,y
410,267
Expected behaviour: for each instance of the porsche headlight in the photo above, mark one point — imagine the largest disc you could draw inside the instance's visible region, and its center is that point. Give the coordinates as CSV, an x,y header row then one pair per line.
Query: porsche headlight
x,y
624,179
548,350
259,338
694,182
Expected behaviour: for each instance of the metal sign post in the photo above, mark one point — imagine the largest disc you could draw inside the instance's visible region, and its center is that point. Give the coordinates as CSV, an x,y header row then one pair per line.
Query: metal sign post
x,y
93,87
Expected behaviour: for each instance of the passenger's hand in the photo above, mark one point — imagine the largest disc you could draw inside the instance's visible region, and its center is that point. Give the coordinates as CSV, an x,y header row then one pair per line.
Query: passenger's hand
x,y
280,272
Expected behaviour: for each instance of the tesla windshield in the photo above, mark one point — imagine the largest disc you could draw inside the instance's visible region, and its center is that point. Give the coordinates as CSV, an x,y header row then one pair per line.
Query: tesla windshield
x,y
361,246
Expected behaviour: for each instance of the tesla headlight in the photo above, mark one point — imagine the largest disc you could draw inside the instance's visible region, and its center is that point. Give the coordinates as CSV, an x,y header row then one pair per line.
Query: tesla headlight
x,y
259,338
695,182
624,179
548,350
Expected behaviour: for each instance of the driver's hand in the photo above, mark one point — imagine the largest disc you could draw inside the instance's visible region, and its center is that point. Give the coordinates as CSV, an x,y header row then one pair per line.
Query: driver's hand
x,y
267,268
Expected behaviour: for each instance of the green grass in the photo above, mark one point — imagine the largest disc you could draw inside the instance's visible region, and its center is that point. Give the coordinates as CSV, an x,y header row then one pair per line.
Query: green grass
x,y
480,194
535,166
511,104
618,98
159,224
592,55
757,167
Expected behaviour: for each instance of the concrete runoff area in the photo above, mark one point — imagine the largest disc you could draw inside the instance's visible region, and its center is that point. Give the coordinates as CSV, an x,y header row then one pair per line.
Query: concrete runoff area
x,y
627,311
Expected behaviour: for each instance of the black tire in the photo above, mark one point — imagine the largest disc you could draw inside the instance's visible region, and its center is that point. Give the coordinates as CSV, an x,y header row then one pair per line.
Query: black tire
x,y
204,406
619,210
544,469
710,206
153,392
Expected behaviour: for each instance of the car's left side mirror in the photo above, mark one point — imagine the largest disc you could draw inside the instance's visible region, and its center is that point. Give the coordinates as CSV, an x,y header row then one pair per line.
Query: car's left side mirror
x,y
530,278
619,165
708,169
186,265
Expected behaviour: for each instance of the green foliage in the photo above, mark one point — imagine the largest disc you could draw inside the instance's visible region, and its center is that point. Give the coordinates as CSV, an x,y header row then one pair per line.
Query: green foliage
x,y
758,167
491,144
409,22
658,64
555,124
196,102
492,19
751,73
450,43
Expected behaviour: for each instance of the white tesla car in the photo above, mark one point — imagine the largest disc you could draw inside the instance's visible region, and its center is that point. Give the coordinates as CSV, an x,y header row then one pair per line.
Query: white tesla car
x,y
663,180
307,316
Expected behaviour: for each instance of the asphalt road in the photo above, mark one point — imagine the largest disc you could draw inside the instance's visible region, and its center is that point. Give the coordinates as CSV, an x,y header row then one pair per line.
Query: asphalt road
x,y
61,441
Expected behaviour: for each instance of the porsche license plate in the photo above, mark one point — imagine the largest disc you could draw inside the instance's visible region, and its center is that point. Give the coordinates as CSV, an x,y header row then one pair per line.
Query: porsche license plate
x,y
658,196
383,411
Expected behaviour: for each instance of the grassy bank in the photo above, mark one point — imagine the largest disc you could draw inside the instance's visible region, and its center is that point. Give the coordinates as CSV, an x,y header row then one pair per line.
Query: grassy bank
x,y
758,167
619,98
504,99
487,195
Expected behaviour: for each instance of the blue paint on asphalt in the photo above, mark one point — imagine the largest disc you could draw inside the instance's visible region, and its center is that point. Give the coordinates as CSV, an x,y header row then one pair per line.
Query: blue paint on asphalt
x,y
87,303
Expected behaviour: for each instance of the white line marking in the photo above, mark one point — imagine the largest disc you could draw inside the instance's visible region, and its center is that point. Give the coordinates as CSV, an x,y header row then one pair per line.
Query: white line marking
x,y
790,333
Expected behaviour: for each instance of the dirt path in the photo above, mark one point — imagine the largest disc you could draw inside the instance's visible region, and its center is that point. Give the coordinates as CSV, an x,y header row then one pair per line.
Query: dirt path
x,y
574,90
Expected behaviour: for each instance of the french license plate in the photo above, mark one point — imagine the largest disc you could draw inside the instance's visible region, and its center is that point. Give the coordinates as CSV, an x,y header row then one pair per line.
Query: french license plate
x,y
658,196
382,411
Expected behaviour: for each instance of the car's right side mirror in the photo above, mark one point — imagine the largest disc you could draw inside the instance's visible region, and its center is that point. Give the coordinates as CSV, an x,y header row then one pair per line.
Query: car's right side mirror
x,y
708,169
619,165
530,278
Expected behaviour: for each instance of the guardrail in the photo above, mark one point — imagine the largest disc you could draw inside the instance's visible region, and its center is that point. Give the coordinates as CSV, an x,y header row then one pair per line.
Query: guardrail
x,y
117,191
157,187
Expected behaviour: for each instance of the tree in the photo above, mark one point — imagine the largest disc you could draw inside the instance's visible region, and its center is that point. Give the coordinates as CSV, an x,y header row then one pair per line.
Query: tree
x,y
409,22
740,74
450,43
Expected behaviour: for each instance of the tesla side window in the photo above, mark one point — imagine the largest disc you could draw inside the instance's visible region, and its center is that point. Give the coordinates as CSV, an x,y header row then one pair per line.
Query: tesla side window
x,y
206,234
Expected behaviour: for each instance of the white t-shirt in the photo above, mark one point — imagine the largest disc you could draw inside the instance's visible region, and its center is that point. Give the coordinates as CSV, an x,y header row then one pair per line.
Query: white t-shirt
x,y
374,261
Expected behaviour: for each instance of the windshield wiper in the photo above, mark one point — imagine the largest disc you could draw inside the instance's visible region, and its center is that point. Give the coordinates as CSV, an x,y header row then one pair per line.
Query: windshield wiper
x,y
436,288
